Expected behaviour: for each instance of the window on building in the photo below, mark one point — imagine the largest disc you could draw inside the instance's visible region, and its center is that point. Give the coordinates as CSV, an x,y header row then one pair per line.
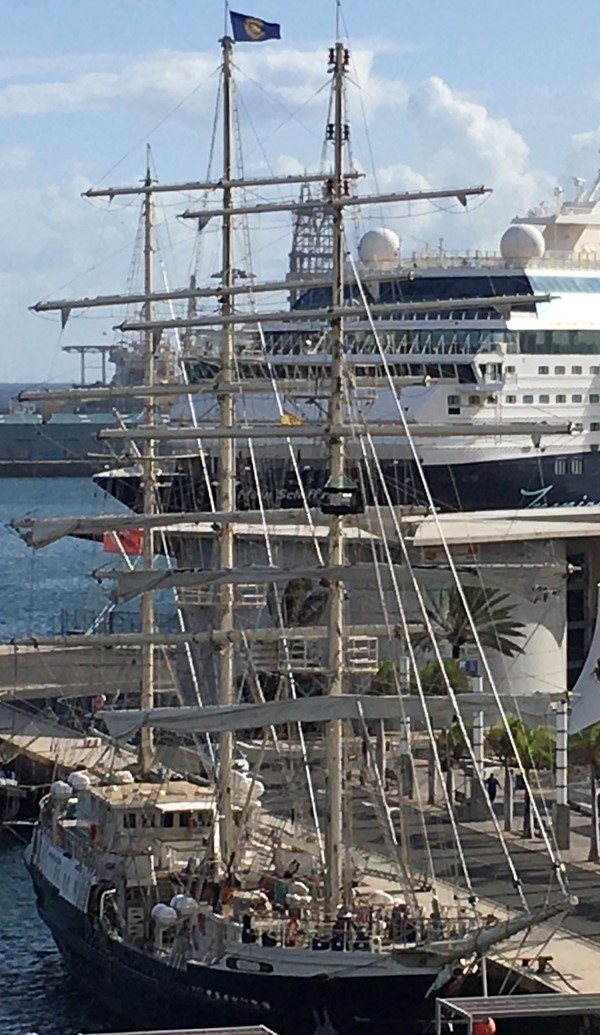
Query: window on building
x,y
576,370
559,370
561,398
543,370
129,820
576,398
544,399
560,465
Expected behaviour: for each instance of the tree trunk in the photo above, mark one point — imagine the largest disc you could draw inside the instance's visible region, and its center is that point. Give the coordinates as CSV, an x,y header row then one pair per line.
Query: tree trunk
x,y
509,800
527,824
431,774
450,784
594,854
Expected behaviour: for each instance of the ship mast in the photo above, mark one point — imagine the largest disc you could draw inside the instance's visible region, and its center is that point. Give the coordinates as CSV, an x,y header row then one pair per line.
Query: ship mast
x,y
146,750
226,473
334,827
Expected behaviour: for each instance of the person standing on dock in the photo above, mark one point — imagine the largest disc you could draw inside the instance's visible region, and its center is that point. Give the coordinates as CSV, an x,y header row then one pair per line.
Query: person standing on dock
x,y
492,785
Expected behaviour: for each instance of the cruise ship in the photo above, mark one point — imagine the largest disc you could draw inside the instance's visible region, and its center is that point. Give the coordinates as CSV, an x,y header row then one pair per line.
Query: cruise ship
x,y
532,358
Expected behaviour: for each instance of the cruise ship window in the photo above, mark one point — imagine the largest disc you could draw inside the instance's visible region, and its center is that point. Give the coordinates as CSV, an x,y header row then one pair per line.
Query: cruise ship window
x,y
594,397
544,398
543,370
576,370
474,400
576,398
454,400
527,398
509,370
560,466
511,398
577,465
559,370
594,426
561,398
594,370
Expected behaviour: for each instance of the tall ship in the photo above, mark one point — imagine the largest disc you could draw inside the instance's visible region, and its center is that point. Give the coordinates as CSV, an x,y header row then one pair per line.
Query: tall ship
x,y
188,889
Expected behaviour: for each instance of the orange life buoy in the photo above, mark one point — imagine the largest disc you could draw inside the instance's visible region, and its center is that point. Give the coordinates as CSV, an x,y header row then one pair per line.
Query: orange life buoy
x,y
487,1026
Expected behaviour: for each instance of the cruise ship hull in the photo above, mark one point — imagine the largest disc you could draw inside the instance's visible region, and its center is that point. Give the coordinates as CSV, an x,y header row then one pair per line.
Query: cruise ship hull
x,y
152,993
505,483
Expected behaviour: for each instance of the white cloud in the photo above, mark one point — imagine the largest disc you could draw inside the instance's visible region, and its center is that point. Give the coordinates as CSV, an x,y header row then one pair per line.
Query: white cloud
x,y
467,146
15,159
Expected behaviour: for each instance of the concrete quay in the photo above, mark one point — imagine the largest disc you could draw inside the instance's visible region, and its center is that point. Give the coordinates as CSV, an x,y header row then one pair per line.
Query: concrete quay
x,y
562,955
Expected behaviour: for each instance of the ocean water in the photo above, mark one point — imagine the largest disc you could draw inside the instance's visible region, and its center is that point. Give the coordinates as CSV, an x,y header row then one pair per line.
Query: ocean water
x,y
36,993
36,588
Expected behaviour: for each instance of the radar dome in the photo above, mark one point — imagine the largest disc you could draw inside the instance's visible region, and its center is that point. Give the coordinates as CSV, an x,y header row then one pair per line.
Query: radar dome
x,y
522,241
379,249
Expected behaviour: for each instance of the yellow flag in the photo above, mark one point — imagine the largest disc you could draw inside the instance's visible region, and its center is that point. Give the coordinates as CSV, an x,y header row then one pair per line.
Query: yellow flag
x,y
291,419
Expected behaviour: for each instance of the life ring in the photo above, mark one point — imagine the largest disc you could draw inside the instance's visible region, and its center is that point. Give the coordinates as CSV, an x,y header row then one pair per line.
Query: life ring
x,y
291,931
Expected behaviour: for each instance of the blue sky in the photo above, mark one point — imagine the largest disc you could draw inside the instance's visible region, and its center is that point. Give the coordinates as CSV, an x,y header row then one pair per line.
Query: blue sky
x,y
507,95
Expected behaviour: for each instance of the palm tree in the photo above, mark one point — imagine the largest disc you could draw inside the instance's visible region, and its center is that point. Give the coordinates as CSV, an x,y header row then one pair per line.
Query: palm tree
x,y
433,677
303,602
535,749
491,616
584,749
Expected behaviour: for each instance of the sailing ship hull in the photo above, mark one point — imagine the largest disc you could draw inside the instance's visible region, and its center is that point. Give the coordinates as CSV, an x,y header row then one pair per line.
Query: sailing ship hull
x,y
152,993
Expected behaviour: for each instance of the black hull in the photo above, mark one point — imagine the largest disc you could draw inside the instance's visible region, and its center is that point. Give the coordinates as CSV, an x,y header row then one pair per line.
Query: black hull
x,y
522,482
153,995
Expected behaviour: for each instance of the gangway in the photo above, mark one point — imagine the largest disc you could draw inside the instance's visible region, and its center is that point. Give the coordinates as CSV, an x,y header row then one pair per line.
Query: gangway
x,y
467,1012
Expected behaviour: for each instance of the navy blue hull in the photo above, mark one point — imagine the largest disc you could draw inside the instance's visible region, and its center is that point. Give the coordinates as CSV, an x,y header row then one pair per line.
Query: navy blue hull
x,y
522,482
153,994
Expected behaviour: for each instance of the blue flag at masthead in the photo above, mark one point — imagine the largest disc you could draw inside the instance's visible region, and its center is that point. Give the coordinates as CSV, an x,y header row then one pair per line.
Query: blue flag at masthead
x,y
247,29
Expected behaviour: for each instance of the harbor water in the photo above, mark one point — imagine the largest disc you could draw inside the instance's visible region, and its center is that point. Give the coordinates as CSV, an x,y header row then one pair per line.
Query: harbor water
x,y
35,590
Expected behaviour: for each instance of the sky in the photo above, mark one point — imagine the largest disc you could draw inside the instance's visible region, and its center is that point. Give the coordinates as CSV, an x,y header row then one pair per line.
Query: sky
x,y
439,95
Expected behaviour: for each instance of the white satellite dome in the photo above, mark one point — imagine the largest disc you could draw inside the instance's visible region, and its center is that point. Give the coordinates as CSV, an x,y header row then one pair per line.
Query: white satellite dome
x,y
184,905
163,915
60,790
522,241
379,249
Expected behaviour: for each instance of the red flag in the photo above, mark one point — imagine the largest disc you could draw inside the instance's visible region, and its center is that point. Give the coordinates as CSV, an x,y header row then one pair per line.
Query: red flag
x,y
130,540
